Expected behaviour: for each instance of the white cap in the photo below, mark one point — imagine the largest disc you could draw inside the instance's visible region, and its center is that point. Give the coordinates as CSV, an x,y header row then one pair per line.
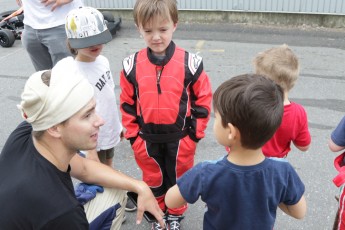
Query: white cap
x,y
86,27
45,106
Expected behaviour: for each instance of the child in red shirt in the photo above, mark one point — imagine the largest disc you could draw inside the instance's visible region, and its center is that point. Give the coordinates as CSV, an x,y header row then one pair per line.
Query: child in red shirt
x,y
281,65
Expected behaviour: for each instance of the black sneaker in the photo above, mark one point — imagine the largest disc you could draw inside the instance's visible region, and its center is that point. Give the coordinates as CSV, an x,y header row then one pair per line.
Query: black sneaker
x,y
156,226
174,222
130,207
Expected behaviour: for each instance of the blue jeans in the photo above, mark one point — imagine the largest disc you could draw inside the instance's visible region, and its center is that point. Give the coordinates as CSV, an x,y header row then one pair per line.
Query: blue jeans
x,y
45,46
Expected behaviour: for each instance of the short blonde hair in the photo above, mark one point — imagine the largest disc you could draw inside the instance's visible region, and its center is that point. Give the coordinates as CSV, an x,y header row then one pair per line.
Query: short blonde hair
x,y
279,64
145,10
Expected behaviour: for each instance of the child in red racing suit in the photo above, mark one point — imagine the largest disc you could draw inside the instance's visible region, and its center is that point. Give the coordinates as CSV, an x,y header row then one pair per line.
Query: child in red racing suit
x,y
165,102
336,144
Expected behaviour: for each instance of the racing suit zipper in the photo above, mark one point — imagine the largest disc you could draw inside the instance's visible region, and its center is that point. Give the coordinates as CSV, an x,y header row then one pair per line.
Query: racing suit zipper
x,y
159,70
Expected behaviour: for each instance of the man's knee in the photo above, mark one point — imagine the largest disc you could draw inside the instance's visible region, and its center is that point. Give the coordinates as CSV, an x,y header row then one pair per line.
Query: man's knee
x,y
109,204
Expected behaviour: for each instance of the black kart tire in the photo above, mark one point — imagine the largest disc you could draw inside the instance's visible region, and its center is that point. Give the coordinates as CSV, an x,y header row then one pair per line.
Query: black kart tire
x,y
6,38
112,28
108,16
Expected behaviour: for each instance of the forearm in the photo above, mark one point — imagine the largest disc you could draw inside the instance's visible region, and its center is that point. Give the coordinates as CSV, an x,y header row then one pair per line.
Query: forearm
x,y
55,3
128,108
334,147
201,105
93,172
303,148
15,13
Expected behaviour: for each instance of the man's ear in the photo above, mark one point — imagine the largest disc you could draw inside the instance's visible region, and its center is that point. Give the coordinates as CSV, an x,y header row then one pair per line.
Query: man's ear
x,y
54,131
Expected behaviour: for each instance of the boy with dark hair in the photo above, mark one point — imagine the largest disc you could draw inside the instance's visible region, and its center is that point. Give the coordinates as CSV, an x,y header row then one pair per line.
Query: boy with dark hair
x,y
244,189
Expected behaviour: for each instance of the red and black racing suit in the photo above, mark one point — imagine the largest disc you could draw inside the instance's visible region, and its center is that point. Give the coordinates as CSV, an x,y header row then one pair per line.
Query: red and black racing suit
x,y
165,105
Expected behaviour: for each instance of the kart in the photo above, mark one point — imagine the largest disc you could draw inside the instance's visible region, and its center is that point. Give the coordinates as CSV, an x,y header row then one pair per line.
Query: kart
x,y
11,29
113,23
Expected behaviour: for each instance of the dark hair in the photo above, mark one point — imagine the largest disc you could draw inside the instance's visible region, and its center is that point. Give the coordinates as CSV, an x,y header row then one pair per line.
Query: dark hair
x,y
253,104
73,51
45,76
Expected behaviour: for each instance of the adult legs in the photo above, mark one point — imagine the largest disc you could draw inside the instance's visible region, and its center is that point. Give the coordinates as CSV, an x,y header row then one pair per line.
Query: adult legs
x,y
46,46
38,53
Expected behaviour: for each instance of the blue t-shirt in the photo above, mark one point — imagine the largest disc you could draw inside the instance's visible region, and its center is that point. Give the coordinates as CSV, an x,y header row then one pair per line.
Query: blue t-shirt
x,y
338,135
241,197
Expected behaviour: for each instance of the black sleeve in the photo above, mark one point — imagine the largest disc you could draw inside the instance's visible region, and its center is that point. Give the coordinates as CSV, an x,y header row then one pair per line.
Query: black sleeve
x,y
72,220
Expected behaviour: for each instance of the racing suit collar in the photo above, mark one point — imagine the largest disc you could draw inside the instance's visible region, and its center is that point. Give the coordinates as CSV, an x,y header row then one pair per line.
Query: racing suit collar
x,y
161,62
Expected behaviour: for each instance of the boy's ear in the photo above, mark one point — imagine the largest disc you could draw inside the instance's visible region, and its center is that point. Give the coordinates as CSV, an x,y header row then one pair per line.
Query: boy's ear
x,y
138,28
175,26
233,132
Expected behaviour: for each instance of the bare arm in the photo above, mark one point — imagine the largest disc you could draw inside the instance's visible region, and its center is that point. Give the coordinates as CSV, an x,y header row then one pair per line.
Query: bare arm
x,y
173,198
15,13
303,148
297,210
97,173
55,3
334,147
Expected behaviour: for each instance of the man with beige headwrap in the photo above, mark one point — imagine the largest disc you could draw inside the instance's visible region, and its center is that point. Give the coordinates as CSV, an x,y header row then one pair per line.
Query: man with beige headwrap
x,y
40,155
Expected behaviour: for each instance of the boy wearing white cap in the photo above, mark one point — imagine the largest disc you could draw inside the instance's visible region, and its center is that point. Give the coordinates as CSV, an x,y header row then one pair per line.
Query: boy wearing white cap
x,y
40,156
87,32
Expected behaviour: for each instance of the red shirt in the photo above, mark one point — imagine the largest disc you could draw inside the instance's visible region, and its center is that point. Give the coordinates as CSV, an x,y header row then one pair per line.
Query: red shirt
x,y
294,128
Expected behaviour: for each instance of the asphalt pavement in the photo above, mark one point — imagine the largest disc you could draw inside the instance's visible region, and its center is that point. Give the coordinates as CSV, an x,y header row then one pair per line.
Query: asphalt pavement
x,y
228,50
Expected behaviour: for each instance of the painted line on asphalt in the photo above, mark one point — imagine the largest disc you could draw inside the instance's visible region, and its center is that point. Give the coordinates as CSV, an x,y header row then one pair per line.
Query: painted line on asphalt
x,y
16,51
200,44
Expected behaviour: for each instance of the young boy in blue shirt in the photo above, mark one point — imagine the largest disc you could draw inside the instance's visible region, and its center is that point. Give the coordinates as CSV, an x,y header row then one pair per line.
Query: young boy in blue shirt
x,y
243,189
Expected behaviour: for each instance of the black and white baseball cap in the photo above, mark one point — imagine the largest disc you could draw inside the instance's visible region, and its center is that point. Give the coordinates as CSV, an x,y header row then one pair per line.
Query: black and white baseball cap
x,y
86,27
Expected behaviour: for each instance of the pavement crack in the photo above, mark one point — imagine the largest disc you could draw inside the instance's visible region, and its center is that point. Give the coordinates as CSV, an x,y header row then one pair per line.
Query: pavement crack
x,y
14,77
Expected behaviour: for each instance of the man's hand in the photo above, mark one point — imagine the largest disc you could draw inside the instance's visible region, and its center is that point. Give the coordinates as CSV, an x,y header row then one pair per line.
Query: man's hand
x,y
147,202
56,3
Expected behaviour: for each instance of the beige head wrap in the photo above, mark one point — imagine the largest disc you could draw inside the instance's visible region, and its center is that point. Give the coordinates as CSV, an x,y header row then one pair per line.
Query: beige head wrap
x,y
45,106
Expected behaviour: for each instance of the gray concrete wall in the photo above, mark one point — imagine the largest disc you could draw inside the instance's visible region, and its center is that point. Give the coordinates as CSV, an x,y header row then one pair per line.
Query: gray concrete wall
x,y
259,18
281,6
